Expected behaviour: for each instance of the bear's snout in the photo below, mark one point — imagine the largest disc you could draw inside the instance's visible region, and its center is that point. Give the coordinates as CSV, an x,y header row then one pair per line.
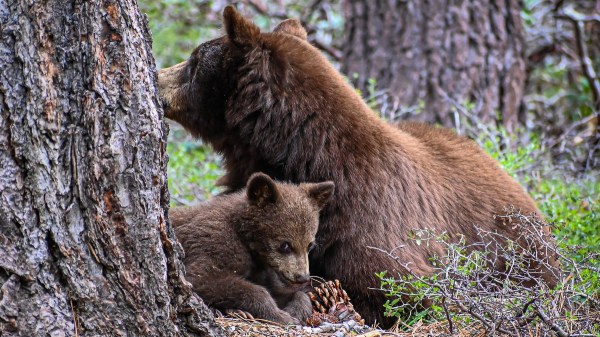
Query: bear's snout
x,y
169,82
301,278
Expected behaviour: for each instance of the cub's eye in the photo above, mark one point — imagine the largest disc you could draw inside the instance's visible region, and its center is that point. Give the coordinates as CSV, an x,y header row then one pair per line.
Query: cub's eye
x,y
311,246
285,248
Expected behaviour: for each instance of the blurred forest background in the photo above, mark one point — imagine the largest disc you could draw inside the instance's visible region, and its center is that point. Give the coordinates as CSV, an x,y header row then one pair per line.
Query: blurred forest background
x,y
520,78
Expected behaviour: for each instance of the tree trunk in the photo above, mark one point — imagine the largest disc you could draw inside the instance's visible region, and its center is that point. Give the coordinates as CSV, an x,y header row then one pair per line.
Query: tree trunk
x,y
86,248
440,53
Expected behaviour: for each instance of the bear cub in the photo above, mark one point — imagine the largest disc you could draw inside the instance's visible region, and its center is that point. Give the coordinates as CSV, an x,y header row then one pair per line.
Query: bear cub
x,y
249,250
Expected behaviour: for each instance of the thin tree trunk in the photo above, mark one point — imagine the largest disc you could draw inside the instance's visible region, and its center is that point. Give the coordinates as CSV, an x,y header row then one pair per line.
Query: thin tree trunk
x,y
85,244
439,53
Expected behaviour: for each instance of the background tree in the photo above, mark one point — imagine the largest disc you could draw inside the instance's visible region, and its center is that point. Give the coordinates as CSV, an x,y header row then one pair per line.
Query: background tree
x,y
85,244
563,81
439,53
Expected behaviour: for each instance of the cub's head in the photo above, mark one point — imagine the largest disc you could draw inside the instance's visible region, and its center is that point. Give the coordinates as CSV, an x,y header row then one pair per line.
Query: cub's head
x,y
280,224
236,77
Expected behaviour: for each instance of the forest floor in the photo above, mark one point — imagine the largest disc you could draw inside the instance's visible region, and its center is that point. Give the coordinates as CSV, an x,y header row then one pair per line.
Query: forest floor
x,y
239,327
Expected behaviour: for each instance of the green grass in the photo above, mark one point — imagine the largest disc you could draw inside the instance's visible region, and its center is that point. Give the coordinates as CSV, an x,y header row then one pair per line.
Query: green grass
x,y
570,202
574,208
192,171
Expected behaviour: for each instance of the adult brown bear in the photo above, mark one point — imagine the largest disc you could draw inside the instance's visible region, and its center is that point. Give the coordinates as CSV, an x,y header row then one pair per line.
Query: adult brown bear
x,y
271,102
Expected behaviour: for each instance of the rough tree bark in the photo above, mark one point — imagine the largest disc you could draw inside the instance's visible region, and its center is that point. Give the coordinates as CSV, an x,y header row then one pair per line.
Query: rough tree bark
x,y
85,244
440,53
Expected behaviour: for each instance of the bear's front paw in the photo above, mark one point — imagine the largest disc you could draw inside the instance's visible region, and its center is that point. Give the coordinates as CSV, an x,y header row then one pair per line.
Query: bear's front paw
x,y
300,306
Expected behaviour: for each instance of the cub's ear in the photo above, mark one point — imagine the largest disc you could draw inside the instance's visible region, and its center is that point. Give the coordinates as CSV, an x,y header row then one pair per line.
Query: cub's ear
x,y
261,190
292,27
320,193
241,31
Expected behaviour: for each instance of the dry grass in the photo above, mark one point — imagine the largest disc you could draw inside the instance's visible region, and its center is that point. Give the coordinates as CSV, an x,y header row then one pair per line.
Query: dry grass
x,y
238,327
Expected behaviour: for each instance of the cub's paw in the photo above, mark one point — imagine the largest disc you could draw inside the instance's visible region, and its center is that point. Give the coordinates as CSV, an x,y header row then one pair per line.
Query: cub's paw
x,y
300,306
237,313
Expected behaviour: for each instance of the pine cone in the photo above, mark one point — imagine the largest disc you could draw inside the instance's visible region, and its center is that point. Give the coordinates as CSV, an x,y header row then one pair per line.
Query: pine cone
x,y
318,318
331,304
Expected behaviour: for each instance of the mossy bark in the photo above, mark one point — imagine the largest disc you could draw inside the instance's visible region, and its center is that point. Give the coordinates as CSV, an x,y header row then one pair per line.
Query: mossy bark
x,y
86,248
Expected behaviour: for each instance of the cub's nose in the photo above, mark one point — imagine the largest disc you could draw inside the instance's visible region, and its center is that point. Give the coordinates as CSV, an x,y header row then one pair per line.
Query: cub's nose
x,y
302,278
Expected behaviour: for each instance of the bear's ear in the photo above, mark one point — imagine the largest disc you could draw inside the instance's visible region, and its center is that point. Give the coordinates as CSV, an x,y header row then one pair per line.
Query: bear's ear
x,y
261,190
292,27
241,31
320,193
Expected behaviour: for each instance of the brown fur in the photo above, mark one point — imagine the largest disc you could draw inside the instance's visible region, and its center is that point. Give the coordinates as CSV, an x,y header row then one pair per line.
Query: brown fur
x,y
233,247
271,102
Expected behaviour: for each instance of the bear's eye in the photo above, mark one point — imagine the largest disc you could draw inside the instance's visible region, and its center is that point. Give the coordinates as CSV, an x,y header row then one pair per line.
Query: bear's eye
x,y
311,246
285,248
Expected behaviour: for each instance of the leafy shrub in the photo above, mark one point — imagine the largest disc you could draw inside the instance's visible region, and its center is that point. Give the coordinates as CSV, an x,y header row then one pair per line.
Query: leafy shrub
x,y
467,291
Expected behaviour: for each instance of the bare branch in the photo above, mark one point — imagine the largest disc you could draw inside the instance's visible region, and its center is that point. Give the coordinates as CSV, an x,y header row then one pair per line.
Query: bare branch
x,y
585,61
497,282
260,7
